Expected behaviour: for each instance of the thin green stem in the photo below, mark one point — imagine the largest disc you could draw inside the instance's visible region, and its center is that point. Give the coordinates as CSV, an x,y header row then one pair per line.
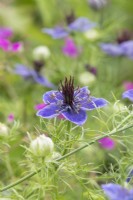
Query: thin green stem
x,y
66,156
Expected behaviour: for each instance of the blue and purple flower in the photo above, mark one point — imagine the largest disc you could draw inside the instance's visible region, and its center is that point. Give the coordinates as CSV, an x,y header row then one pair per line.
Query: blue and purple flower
x,y
32,74
71,102
122,49
81,24
117,192
128,94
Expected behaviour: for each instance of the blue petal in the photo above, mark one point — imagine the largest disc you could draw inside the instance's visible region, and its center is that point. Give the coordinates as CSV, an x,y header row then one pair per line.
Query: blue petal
x,y
77,118
42,80
128,94
56,33
81,24
93,103
127,48
52,97
115,192
49,111
81,93
22,70
112,49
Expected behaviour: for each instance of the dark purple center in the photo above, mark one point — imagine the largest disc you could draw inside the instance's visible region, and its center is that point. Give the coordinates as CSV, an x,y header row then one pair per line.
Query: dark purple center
x,y
124,36
67,89
70,18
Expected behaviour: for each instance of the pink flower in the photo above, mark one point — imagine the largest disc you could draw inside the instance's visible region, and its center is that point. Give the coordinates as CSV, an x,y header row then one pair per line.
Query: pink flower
x,y
107,143
70,49
5,32
10,117
8,46
128,85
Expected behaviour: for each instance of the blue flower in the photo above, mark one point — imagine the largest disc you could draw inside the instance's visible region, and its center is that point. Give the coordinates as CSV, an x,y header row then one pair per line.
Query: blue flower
x,y
71,103
81,24
128,94
27,73
117,192
122,49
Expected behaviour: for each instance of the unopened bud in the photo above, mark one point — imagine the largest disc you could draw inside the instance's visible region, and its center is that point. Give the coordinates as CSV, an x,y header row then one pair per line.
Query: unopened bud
x,y
3,130
42,146
87,78
41,53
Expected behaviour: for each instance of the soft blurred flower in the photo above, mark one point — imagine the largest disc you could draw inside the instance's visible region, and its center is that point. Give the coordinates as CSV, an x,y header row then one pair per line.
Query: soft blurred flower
x,y
42,146
117,192
128,94
8,46
27,73
71,103
5,32
81,24
87,78
70,49
10,117
4,132
128,85
124,36
92,34
107,143
41,53
97,4
122,49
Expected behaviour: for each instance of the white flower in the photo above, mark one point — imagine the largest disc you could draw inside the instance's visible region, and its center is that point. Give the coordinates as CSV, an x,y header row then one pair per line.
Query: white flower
x,y
92,34
41,53
3,130
87,78
42,146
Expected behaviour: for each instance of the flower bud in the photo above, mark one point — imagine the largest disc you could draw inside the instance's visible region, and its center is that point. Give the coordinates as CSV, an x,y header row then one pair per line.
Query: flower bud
x,y
42,146
3,130
87,78
41,53
92,35
97,4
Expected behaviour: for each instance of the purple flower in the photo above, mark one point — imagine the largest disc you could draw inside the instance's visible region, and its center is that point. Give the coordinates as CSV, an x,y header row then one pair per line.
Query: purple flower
x,y
128,85
10,117
70,49
107,143
128,94
5,32
71,103
81,24
27,73
122,49
117,192
56,33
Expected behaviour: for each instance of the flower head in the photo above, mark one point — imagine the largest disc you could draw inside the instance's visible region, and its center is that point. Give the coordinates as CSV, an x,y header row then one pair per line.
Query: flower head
x,y
70,49
10,117
128,94
81,24
27,73
107,143
71,102
41,53
117,192
42,146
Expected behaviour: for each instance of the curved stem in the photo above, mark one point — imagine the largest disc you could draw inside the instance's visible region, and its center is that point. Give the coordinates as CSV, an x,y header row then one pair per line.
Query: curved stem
x,y
65,156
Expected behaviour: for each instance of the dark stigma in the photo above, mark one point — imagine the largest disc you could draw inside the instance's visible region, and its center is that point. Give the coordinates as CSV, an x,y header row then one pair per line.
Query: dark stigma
x,y
67,90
